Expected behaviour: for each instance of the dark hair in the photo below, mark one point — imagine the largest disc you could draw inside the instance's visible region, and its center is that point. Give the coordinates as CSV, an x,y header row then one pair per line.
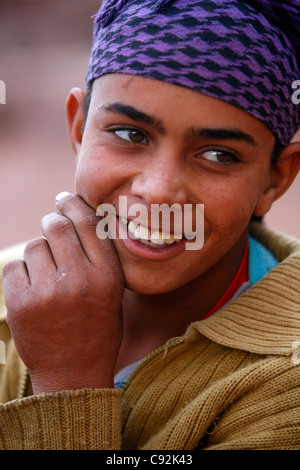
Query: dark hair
x,y
86,104
277,149
276,152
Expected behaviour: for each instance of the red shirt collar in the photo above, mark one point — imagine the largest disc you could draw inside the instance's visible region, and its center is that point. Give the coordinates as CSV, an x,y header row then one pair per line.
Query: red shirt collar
x,y
240,278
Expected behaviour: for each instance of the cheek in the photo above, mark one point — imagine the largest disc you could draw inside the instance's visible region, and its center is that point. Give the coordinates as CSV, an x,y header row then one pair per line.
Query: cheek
x,y
95,179
230,207
86,184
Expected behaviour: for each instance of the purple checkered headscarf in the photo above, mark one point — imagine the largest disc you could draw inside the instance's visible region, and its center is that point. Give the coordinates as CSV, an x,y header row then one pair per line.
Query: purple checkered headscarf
x,y
246,53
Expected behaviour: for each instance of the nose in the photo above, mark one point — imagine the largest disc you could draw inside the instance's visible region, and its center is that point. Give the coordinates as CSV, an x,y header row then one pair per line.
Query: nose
x,y
162,181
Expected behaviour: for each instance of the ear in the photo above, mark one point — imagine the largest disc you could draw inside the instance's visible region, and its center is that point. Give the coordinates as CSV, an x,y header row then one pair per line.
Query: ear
x,y
75,116
282,175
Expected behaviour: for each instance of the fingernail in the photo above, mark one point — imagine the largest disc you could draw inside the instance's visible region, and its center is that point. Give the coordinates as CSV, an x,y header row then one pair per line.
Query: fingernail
x,y
61,196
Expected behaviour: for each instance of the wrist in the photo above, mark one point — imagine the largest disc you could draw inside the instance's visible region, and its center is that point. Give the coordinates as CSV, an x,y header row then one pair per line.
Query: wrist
x,y
57,384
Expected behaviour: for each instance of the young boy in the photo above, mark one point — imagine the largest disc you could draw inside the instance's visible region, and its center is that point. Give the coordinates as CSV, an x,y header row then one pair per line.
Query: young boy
x,y
143,342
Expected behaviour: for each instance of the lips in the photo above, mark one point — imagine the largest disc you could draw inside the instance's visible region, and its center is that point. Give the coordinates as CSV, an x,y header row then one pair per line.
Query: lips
x,y
156,239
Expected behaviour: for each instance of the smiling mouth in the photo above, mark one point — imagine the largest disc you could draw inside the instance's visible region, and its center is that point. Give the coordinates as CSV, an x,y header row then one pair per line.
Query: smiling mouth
x,y
156,239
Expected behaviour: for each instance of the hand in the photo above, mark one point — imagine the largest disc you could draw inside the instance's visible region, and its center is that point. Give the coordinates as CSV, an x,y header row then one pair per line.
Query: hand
x,y
64,302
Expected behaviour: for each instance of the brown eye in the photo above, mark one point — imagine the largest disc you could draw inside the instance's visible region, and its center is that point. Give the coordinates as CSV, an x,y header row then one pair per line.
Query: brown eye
x,y
218,156
132,135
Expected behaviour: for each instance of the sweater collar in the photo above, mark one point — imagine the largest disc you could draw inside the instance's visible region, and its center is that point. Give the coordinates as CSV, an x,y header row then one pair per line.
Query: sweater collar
x,y
266,318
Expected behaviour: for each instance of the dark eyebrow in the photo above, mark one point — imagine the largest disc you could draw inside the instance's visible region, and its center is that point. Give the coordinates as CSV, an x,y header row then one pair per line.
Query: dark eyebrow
x,y
221,134
134,114
215,134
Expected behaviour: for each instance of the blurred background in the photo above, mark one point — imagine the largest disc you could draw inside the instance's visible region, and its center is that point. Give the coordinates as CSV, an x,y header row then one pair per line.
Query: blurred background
x,y
44,52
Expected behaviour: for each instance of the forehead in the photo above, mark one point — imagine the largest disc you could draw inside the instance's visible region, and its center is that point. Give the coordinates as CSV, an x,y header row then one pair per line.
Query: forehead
x,y
174,106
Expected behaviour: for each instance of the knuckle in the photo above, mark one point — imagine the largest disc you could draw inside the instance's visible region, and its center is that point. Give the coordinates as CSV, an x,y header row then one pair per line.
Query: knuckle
x,y
65,198
57,224
34,245
88,222
11,266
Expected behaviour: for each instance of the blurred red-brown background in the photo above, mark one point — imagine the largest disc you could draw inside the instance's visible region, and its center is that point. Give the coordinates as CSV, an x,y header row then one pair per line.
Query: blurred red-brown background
x,y
44,51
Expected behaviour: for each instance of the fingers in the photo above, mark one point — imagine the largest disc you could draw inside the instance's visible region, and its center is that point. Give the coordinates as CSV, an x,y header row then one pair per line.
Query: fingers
x,y
85,222
15,281
62,238
39,261
37,268
70,245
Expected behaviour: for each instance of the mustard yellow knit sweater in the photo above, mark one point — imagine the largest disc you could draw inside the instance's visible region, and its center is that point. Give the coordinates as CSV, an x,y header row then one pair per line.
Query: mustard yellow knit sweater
x,y
232,382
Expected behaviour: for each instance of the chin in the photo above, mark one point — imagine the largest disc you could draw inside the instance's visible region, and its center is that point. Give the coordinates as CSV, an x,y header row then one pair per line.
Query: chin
x,y
145,290
152,288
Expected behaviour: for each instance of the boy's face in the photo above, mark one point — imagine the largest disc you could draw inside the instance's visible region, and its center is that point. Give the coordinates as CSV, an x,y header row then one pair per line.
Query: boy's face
x,y
174,146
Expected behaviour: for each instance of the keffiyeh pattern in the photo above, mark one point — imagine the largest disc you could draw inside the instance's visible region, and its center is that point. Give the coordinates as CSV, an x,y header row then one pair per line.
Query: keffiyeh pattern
x,y
244,53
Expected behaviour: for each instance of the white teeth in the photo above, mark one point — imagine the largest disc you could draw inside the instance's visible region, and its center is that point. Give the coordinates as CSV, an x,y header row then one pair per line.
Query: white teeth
x,y
132,228
169,241
142,233
123,220
155,239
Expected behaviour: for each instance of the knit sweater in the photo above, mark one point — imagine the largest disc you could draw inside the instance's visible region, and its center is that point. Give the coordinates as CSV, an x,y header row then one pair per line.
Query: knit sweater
x,y
231,382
